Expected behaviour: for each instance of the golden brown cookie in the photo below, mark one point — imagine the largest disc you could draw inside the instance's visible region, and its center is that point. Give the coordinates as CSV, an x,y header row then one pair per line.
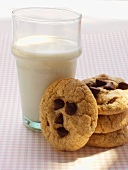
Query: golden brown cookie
x,y
109,140
101,79
111,123
68,114
111,94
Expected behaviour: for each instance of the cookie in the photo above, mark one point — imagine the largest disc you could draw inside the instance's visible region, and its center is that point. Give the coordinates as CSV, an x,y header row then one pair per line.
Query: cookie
x,y
111,94
109,140
101,79
68,114
111,123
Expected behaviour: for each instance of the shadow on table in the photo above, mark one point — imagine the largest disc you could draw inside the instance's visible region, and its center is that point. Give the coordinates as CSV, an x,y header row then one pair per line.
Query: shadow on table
x,y
86,151
91,156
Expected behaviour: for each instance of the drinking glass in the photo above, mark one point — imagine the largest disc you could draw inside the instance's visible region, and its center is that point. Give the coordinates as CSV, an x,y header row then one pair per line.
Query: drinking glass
x,y
46,46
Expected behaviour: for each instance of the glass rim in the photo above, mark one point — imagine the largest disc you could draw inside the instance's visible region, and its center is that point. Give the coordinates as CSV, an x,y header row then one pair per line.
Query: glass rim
x,y
78,16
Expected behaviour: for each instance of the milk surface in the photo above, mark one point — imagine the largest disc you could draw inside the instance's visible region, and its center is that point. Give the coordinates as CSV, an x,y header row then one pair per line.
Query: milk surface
x,y
40,61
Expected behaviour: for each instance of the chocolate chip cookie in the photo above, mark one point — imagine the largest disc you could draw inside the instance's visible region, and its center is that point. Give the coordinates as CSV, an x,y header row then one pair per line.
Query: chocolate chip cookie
x,y
111,123
109,140
68,114
111,93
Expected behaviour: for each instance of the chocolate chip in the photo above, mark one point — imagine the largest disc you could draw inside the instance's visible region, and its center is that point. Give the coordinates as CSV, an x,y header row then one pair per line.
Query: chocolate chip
x,y
59,119
123,86
95,91
47,123
70,108
62,132
100,83
112,100
58,104
109,86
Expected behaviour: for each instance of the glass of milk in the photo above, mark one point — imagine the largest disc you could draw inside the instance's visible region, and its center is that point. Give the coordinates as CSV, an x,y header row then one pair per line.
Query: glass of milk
x,y
46,45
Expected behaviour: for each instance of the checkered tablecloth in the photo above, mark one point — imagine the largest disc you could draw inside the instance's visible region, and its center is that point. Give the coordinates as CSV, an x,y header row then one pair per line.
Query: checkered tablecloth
x,y
23,149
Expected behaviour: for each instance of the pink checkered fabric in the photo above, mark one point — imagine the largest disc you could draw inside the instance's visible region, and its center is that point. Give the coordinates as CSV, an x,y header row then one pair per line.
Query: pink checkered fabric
x,y
23,149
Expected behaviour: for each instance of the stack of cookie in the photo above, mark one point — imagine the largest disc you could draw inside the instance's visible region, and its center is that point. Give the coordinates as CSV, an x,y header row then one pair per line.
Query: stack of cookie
x,y
91,112
111,95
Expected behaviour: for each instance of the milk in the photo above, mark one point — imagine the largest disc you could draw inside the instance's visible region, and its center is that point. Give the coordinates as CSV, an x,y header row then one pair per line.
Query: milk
x,y
40,61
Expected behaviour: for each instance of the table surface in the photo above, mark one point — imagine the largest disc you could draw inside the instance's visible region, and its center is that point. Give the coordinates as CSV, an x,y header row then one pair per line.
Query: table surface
x,y
105,50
